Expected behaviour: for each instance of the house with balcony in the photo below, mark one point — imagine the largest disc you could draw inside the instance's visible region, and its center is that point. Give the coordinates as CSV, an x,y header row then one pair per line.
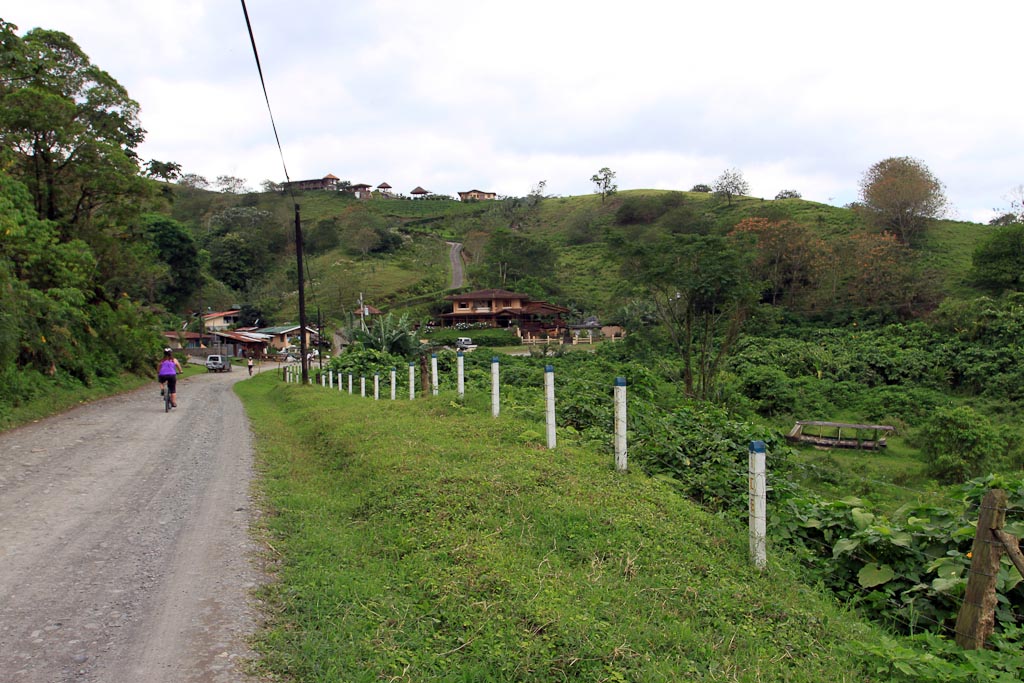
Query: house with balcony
x,y
502,308
220,320
477,196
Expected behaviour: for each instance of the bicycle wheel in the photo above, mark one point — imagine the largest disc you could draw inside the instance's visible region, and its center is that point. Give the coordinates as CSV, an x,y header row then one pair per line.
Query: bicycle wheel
x,y
167,401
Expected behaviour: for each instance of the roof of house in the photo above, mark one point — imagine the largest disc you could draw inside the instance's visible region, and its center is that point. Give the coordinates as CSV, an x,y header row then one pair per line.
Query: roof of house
x,y
186,335
476,191
419,190
283,329
383,186
330,176
246,337
219,314
370,310
361,186
487,294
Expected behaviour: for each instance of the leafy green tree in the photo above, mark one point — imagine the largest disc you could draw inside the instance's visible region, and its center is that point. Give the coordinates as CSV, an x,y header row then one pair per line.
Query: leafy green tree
x,y
193,181
998,263
701,187
958,442
174,245
789,256
71,127
700,287
730,184
788,194
510,257
163,170
388,334
231,184
604,182
900,194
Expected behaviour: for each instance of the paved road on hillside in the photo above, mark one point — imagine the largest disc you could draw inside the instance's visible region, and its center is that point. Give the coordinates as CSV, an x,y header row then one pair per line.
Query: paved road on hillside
x,y
124,548
455,256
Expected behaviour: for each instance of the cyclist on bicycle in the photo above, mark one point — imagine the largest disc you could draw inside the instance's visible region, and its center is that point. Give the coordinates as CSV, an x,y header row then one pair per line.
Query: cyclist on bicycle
x,y
168,371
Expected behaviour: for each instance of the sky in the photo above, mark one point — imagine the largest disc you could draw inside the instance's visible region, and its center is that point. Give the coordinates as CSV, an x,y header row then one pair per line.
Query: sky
x,y
453,95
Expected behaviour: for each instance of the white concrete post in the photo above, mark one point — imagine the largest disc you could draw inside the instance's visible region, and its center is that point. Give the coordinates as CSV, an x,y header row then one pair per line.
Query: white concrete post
x,y
330,379
350,382
376,386
549,402
362,386
460,362
620,424
495,388
433,374
758,503
323,380
412,380
394,384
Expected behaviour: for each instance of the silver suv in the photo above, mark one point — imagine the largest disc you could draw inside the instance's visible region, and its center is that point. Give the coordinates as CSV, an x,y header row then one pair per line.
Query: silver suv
x,y
218,364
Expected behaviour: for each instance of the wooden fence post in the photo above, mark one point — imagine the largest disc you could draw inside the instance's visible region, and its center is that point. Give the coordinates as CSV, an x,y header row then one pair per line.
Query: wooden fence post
x,y
976,620
620,424
758,503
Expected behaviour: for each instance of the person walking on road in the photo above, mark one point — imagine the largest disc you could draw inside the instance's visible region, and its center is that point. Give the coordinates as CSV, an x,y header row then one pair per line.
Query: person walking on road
x,y
250,365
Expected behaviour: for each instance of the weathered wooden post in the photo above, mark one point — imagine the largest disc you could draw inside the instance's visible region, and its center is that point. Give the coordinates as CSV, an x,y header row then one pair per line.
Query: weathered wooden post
x,y
495,389
549,403
758,503
976,620
412,380
620,424
433,374
461,374
394,384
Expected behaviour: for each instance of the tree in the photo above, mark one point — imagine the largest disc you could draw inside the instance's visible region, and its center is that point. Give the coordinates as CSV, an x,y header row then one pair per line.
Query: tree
x,y
1015,212
70,127
510,257
700,287
730,184
164,170
603,182
700,187
173,244
998,263
194,181
788,194
789,256
900,194
271,186
231,184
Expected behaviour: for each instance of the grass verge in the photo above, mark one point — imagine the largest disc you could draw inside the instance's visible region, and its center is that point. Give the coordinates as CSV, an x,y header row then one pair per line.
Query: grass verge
x,y
424,541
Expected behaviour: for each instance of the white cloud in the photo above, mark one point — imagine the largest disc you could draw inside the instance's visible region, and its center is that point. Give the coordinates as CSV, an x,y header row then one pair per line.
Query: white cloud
x,y
451,94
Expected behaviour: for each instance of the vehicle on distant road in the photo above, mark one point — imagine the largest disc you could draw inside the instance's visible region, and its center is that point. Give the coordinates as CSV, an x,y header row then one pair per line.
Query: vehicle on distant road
x,y
218,364
464,344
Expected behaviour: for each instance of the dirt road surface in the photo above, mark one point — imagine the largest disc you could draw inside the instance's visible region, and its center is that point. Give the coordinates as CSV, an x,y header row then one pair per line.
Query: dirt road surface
x,y
125,552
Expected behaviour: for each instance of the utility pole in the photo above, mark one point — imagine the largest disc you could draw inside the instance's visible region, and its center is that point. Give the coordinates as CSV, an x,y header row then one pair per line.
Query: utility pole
x,y
320,339
302,299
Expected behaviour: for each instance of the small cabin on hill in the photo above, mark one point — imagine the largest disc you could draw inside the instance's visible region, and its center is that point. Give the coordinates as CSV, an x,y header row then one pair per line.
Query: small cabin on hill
x,y
476,196
328,182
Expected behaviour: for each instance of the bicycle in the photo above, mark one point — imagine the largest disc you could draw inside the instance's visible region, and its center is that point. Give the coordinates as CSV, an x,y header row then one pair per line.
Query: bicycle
x,y
167,400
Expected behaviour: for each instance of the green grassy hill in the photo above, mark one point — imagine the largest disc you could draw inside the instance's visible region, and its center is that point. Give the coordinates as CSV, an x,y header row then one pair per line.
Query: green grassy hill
x,y
576,229
407,554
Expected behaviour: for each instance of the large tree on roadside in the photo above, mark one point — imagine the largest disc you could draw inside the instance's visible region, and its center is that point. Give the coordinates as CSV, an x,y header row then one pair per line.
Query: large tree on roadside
x,y
70,129
900,194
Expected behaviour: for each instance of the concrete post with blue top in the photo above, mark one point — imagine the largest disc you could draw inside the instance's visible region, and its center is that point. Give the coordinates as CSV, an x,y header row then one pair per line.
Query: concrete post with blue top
x,y
412,380
460,362
495,389
549,403
620,424
757,472
433,374
394,383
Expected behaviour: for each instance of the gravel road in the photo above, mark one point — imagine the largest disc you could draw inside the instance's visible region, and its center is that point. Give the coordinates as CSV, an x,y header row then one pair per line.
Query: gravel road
x,y
125,552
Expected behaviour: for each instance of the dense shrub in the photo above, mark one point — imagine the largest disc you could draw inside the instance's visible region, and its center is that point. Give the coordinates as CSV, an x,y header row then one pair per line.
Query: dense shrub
x,y
958,442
